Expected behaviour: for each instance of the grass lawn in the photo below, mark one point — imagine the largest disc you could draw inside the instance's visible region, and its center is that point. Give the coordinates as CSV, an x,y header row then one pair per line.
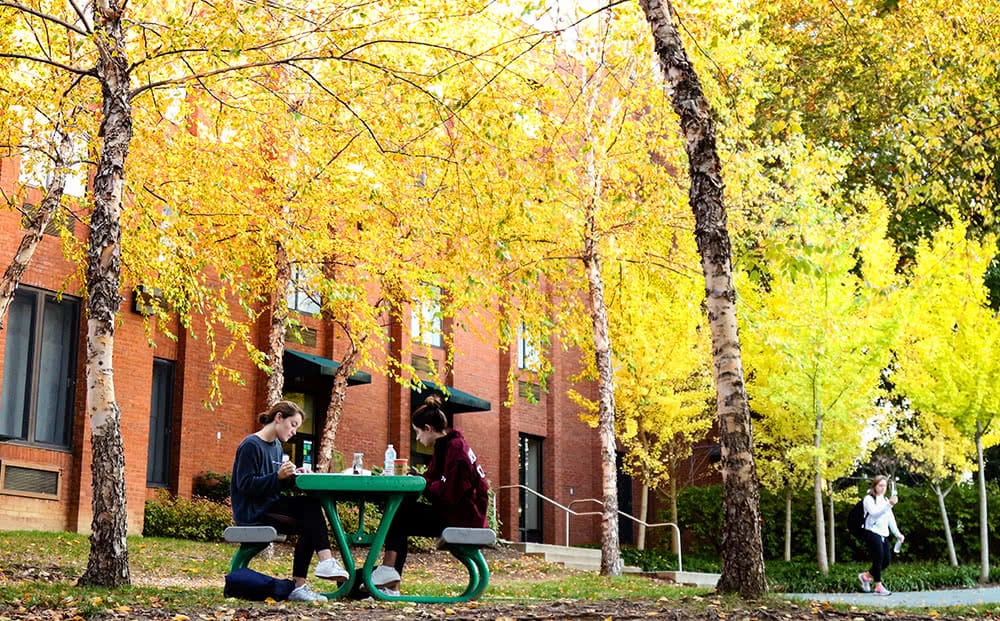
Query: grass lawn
x,y
38,570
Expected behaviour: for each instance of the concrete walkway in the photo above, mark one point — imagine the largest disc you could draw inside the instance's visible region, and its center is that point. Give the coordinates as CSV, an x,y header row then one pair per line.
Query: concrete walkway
x,y
910,599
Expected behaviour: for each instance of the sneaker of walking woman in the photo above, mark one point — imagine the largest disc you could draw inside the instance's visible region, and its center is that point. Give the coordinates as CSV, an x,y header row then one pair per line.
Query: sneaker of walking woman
x,y
330,569
303,593
866,582
881,590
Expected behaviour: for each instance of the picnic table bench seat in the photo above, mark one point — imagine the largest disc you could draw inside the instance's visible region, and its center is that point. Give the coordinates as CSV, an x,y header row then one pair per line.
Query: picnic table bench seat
x,y
252,539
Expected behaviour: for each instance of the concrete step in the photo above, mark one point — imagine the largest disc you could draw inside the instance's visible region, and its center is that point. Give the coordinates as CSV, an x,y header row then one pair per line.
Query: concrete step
x,y
583,559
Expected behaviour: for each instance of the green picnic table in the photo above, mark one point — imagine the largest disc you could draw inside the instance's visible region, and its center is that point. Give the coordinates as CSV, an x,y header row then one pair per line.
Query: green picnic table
x,y
465,544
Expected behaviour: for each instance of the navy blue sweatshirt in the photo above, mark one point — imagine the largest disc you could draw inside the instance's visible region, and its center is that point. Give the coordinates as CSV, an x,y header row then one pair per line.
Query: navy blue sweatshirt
x,y
255,484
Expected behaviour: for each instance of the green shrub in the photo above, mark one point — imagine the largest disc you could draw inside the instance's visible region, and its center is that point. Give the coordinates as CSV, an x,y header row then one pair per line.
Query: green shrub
x,y
181,518
212,486
803,577
918,516
662,559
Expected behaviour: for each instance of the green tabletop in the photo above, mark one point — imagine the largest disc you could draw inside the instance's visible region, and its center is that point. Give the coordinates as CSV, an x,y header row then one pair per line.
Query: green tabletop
x,y
333,488
359,485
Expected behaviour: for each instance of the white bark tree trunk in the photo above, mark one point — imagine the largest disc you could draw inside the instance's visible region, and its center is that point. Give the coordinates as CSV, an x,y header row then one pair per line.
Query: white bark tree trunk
x,y
640,543
952,557
984,527
107,564
788,524
39,221
611,561
821,558
742,547
831,529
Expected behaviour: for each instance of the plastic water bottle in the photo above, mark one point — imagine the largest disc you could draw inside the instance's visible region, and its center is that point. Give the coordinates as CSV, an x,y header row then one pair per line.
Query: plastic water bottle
x,y
390,461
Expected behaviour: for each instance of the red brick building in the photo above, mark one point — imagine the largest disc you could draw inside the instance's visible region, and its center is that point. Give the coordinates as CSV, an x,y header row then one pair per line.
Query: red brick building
x,y
170,436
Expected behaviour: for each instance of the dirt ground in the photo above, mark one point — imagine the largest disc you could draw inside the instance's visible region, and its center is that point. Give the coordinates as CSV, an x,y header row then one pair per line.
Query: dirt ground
x,y
612,610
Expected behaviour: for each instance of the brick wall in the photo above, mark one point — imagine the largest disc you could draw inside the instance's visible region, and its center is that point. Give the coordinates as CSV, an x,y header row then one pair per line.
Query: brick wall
x,y
205,438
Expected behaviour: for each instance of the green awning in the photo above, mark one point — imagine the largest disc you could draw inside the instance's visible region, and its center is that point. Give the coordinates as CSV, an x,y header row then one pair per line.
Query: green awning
x,y
301,363
455,401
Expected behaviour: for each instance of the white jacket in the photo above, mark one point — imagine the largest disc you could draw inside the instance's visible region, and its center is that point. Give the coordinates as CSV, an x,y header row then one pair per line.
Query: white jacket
x,y
879,517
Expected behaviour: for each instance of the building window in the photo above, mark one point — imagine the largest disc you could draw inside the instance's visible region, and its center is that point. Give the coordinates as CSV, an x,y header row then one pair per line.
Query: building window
x,y
528,356
425,322
161,422
39,370
300,297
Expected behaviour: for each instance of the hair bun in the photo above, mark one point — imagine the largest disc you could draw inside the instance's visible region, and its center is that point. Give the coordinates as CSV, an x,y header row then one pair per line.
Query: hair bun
x,y
433,401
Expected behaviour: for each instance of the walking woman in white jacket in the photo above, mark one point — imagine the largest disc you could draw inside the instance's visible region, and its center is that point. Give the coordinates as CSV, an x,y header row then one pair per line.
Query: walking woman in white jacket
x,y
879,522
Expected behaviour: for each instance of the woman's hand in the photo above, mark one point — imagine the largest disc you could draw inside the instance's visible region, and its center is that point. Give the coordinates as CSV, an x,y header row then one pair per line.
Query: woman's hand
x,y
893,500
287,470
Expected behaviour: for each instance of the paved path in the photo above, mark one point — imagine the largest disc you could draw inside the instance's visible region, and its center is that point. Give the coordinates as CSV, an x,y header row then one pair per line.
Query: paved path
x,y
908,599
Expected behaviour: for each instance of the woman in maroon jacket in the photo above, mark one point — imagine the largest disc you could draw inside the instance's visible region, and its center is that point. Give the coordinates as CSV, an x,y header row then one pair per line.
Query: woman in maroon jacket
x,y
456,488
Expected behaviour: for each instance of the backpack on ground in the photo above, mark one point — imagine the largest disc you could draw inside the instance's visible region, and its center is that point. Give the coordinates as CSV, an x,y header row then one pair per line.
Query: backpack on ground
x,y
856,520
246,583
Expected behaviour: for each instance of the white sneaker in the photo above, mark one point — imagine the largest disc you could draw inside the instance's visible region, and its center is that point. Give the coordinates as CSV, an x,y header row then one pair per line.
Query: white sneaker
x,y
330,569
305,594
388,591
866,584
384,576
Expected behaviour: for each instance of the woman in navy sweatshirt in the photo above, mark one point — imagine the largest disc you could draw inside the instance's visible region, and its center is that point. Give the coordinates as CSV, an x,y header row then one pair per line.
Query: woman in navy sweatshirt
x,y
456,488
260,472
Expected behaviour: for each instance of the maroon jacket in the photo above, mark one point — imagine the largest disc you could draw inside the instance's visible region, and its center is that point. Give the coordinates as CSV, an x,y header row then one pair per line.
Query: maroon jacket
x,y
456,483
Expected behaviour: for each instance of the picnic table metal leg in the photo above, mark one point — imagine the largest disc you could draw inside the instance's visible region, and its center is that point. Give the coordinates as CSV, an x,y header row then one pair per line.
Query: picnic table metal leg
x,y
244,554
337,530
378,541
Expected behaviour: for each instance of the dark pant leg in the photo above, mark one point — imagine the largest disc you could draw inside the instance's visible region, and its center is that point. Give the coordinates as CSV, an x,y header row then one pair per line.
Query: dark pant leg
x,y
886,553
878,550
414,519
308,522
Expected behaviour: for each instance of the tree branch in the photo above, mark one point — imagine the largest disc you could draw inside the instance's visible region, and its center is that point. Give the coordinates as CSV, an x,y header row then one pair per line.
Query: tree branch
x,y
44,16
52,63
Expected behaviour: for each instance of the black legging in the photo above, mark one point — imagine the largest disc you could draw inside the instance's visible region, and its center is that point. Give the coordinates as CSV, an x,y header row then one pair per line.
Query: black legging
x,y
414,519
302,516
878,551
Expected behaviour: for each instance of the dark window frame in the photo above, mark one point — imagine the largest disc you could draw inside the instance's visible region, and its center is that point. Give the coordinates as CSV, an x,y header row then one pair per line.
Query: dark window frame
x,y
162,478
40,300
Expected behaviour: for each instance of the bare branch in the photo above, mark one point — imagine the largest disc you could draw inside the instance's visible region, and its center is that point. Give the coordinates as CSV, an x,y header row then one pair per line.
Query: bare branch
x,y
52,63
80,14
44,16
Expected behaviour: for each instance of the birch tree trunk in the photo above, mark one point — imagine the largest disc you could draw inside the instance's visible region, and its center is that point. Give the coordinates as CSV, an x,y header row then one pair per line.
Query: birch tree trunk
x,y
279,326
36,228
675,546
821,558
831,529
611,561
640,543
788,524
108,561
742,549
338,394
952,557
984,527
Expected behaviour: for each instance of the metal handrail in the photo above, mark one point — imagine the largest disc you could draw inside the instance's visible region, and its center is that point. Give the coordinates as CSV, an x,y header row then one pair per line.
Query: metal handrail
x,y
569,510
